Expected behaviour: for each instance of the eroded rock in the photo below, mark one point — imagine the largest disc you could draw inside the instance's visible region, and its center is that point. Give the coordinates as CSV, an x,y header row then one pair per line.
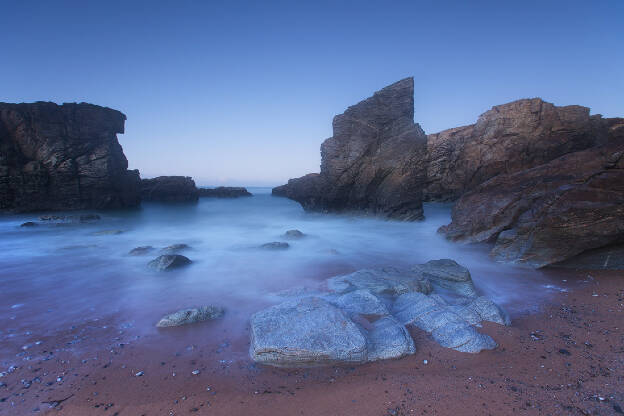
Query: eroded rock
x,y
275,245
224,192
190,316
447,274
169,189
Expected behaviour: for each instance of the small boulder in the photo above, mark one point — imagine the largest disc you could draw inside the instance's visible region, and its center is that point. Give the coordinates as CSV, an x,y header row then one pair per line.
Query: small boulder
x,y
175,248
168,262
29,224
141,251
190,316
449,275
294,234
488,311
275,245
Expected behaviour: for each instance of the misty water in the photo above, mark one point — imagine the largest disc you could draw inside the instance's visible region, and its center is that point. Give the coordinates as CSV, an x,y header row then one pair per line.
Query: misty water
x,y
56,276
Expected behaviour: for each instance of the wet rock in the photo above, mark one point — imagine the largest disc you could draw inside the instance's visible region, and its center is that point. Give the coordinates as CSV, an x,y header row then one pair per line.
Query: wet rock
x,y
58,157
308,331
449,275
488,311
460,336
224,192
29,224
275,245
383,281
361,302
388,339
169,262
294,234
169,189
175,248
190,316
141,251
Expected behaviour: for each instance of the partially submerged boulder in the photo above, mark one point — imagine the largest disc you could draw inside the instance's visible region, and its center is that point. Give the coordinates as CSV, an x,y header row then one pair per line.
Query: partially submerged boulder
x,y
175,248
141,251
190,316
294,234
169,189
168,262
29,224
275,245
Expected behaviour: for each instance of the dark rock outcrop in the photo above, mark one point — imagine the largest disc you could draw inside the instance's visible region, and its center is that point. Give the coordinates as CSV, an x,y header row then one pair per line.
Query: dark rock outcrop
x,y
169,189
224,192
60,157
550,213
374,161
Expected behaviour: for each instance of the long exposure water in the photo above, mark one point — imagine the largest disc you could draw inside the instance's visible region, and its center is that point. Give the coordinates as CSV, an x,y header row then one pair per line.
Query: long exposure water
x,y
53,276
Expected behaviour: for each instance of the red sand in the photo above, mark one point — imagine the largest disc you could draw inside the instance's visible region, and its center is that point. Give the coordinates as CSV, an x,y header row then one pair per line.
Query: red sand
x,y
566,359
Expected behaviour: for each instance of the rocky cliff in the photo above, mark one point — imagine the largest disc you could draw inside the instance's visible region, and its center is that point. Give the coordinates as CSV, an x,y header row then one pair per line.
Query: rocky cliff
x,y
373,163
55,157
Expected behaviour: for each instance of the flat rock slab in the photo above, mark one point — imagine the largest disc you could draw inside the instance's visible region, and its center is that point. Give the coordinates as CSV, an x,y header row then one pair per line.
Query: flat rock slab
x,y
304,332
168,262
190,316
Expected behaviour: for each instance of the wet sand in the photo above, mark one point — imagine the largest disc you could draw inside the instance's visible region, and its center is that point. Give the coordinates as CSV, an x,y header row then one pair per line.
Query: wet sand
x,y
566,359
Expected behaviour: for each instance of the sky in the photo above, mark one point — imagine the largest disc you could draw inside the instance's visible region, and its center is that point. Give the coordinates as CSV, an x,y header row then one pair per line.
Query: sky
x,y
243,93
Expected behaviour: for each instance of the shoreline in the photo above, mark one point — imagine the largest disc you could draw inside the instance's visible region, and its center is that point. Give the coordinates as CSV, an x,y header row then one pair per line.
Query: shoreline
x,y
563,359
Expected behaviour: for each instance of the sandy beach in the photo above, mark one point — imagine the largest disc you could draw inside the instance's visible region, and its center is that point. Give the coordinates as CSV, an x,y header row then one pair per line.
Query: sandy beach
x,y
564,359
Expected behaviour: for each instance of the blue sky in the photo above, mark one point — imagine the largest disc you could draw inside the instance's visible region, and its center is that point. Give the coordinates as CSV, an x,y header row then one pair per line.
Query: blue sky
x,y
243,93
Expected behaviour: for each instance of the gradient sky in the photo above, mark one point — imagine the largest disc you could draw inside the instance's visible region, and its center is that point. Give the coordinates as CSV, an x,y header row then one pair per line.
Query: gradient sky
x,y
243,93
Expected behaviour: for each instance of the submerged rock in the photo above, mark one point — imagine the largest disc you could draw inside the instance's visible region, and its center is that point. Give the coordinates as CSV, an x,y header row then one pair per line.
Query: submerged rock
x,y
108,232
168,262
303,332
224,192
275,245
175,248
294,234
190,316
141,251
29,224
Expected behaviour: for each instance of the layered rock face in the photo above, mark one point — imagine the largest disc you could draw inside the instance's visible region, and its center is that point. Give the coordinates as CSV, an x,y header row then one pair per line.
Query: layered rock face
x,y
169,189
57,157
549,213
506,139
374,161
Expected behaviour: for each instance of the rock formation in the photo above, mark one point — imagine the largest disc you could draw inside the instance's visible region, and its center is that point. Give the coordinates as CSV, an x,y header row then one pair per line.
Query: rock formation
x,y
549,213
374,161
364,316
169,189
191,316
224,192
523,174
506,139
63,157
